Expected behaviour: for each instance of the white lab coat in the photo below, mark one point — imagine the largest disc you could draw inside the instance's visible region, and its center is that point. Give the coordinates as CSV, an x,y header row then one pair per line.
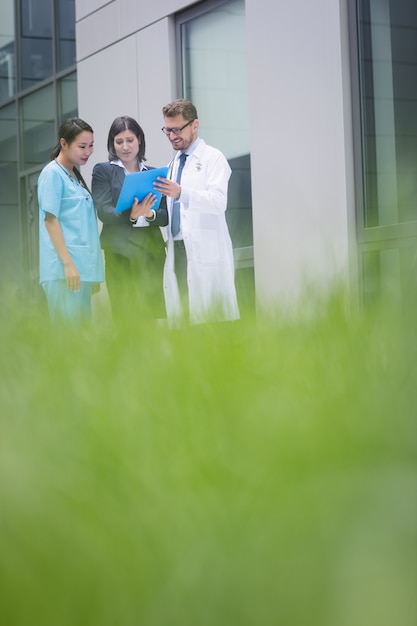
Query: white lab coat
x,y
210,263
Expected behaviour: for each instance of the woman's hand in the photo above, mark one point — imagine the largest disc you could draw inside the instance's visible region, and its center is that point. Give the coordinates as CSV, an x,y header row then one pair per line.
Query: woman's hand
x,y
143,208
72,276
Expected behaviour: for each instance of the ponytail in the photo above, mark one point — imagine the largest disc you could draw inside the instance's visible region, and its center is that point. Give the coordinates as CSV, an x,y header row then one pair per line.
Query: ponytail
x,y
56,151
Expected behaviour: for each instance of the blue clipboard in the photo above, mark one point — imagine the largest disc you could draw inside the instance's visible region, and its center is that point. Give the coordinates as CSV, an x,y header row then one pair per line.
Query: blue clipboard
x,y
138,185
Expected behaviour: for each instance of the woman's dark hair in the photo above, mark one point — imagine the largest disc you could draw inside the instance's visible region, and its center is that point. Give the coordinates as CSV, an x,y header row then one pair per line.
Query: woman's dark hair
x,y
69,130
119,125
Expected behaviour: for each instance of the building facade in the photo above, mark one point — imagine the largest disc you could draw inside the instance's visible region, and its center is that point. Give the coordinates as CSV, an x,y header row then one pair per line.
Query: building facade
x,y
313,103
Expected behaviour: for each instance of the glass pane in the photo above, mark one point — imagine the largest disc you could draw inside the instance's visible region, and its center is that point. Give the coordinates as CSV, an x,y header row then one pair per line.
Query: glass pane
x,y
10,248
38,112
214,47
68,97
215,80
66,35
8,132
388,68
36,41
7,50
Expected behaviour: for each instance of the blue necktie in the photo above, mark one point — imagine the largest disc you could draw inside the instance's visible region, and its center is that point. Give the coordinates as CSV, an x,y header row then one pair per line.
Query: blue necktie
x,y
175,216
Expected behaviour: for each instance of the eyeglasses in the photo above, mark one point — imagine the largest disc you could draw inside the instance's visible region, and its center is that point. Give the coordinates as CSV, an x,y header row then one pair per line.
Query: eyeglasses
x,y
176,131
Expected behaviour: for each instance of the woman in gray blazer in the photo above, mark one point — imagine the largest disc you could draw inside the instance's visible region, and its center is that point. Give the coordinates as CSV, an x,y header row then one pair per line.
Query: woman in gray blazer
x,y
132,240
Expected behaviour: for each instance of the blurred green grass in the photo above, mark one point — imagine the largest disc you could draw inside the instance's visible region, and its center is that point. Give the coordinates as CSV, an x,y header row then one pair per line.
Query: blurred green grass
x,y
255,474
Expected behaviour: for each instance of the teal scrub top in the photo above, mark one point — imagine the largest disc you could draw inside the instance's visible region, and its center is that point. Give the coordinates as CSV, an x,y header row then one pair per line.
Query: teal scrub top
x,y
72,205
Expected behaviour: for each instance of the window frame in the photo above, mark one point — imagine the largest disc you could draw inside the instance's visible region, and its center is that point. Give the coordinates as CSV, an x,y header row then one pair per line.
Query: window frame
x,y
378,238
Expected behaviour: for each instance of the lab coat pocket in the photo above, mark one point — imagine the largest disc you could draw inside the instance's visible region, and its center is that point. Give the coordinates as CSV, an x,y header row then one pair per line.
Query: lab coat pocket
x,y
206,249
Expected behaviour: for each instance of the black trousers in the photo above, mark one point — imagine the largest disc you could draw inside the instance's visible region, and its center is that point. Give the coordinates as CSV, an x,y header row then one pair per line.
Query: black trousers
x,y
180,265
135,287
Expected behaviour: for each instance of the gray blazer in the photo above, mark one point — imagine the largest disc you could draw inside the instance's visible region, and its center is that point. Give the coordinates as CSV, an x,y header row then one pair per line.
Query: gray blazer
x,y
118,235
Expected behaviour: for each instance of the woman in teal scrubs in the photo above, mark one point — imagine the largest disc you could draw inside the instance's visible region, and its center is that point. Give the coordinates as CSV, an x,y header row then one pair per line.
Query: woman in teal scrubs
x,y
71,262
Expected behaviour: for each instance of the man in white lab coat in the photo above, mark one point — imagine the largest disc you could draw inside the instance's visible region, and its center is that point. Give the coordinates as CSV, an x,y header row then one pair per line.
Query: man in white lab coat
x,y
199,269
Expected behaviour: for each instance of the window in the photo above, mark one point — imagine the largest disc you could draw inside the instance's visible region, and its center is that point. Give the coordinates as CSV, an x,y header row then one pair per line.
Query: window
x,y
388,77
385,59
47,39
212,42
68,105
10,244
211,39
38,113
36,42
66,34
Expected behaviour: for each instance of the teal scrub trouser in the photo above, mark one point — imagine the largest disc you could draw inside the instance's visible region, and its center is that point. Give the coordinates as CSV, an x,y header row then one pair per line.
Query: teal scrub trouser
x,y
65,305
